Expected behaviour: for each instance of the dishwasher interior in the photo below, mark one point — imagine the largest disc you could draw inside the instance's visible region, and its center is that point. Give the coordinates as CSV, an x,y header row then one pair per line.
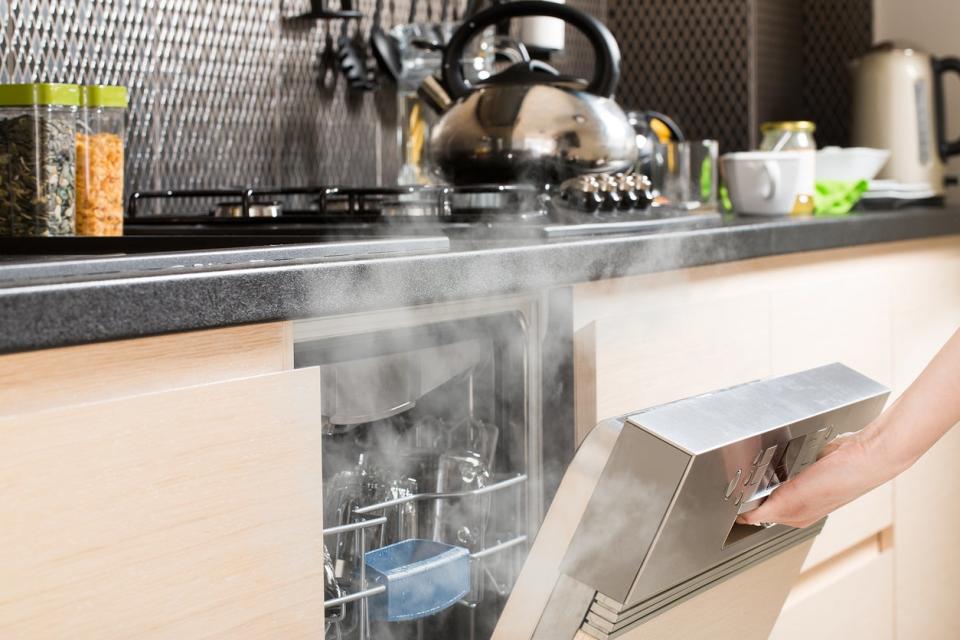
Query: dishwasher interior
x,y
430,472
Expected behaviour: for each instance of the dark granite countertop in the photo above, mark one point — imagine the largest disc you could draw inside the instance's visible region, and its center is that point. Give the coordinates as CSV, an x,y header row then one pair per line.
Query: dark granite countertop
x,y
57,309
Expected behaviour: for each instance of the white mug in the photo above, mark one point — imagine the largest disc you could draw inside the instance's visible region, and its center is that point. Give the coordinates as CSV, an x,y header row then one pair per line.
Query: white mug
x,y
770,182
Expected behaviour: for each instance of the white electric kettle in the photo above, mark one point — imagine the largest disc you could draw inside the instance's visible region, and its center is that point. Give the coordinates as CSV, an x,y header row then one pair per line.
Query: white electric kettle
x,y
898,105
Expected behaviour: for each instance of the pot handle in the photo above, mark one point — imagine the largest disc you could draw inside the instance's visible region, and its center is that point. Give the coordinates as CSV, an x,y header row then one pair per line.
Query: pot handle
x,y
940,67
606,70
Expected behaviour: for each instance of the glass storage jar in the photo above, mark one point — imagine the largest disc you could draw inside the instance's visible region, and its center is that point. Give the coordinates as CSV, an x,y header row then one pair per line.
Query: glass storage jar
x,y
792,135
38,128
100,140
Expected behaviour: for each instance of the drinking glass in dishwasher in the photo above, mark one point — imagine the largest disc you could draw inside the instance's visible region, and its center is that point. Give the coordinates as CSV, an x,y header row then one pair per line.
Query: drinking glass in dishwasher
x,y
683,175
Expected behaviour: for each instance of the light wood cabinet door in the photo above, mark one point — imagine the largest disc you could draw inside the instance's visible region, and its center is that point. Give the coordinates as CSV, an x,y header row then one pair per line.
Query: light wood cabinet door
x,y
194,513
854,604
926,504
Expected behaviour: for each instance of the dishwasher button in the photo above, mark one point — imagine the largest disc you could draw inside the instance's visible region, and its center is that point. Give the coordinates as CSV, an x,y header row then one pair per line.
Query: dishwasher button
x,y
755,474
734,483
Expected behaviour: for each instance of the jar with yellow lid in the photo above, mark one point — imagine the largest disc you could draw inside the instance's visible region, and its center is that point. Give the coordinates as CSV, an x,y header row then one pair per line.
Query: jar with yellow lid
x,y
38,127
100,158
791,135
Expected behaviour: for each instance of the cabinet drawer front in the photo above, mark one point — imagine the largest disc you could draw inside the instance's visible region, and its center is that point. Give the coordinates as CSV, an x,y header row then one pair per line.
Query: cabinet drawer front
x,y
184,514
858,603
39,380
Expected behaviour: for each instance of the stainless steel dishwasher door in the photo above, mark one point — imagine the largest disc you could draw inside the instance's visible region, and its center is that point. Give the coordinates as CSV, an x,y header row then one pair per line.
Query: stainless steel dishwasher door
x,y
645,516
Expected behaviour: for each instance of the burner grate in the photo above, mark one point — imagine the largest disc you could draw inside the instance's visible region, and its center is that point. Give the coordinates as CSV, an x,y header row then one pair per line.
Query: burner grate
x,y
312,204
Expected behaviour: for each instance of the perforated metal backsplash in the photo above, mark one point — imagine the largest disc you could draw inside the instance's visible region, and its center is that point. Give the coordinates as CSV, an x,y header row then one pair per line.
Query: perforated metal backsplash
x,y
689,59
720,67
223,93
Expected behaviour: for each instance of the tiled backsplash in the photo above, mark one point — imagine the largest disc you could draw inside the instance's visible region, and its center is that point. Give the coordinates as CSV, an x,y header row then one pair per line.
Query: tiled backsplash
x,y
221,92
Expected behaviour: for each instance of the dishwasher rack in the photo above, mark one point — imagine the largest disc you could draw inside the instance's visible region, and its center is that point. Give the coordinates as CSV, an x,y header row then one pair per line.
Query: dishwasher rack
x,y
373,515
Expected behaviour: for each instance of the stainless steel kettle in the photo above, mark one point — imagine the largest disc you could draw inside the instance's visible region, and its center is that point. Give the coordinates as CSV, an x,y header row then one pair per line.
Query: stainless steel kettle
x,y
898,104
528,123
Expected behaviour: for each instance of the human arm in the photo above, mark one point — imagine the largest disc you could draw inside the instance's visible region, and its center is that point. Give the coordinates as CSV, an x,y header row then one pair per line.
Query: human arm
x,y
855,464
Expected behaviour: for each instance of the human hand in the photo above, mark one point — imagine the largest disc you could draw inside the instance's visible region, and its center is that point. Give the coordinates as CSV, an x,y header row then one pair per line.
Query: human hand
x,y
843,473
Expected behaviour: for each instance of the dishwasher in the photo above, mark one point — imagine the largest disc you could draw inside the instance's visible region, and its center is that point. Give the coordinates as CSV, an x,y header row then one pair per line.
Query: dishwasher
x,y
436,438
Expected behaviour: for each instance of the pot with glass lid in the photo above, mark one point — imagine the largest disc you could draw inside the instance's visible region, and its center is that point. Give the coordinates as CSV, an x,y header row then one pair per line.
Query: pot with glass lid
x,y
528,123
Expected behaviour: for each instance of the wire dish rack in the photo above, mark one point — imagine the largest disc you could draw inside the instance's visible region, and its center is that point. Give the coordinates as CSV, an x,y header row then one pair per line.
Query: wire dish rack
x,y
369,532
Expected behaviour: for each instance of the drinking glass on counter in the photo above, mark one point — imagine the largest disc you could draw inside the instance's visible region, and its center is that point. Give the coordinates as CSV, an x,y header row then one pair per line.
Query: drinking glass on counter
x,y
683,175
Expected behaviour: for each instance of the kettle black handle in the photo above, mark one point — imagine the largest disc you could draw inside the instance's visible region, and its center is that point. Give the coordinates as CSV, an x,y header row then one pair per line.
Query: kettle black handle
x,y
940,67
606,72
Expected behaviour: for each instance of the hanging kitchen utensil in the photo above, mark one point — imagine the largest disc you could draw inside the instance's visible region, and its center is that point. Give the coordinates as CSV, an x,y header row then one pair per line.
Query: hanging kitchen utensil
x,y
352,57
528,123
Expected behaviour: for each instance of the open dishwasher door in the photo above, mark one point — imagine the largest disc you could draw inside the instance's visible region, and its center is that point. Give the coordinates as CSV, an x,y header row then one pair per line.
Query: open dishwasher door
x,y
644,519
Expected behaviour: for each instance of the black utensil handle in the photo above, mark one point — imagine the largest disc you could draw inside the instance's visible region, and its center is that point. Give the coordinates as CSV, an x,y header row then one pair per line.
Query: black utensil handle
x,y
606,67
940,67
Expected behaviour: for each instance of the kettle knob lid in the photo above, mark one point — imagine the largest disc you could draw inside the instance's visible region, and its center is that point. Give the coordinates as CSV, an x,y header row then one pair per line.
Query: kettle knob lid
x,y
606,71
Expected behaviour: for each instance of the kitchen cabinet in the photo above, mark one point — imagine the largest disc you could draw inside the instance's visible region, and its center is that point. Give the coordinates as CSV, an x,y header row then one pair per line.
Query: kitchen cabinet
x,y
882,309
191,510
47,378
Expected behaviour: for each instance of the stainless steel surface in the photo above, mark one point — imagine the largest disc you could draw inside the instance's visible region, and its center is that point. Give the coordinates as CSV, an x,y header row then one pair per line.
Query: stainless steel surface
x,y
609,619
710,437
664,486
84,262
526,123
367,389
531,133
254,210
471,359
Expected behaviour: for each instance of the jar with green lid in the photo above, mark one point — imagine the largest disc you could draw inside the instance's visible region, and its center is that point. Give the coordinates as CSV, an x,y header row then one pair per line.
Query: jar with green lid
x,y
38,129
793,135
100,159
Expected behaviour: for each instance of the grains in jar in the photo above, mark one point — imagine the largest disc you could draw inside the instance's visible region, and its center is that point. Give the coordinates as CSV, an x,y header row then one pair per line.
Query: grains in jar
x,y
38,125
100,161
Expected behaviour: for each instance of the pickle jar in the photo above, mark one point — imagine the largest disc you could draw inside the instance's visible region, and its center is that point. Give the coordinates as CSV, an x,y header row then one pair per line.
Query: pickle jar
x,y
100,160
38,129
792,135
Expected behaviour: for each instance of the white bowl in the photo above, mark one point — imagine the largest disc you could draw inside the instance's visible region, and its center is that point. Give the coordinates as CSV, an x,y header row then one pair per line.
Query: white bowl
x,y
850,164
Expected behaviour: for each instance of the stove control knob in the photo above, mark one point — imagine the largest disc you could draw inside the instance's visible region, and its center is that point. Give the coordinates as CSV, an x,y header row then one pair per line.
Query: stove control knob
x,y
582,193
644,190
627,188
610,191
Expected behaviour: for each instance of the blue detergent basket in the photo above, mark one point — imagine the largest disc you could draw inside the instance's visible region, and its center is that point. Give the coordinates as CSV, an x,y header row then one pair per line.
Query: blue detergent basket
x,y
422,577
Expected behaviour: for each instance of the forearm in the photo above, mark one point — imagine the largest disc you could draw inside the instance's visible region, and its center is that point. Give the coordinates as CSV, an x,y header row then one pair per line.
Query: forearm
x,y
920,417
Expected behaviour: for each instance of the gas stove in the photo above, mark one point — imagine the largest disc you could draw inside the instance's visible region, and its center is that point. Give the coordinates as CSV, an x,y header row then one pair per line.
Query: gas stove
x,y
480,211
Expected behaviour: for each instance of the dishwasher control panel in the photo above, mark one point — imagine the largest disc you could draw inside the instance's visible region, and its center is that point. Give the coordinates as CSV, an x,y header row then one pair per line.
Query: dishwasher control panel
x,y
679,475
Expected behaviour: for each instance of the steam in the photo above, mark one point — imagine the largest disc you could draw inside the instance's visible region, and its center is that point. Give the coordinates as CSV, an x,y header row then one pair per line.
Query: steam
x,y
404,285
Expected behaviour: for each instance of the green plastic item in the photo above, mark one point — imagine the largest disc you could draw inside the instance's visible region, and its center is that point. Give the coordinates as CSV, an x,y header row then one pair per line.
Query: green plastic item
x,y
103,95
832,197
837,197
39,94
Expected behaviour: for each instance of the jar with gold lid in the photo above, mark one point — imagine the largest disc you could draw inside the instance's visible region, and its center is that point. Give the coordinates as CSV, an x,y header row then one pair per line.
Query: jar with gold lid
x,y
790,135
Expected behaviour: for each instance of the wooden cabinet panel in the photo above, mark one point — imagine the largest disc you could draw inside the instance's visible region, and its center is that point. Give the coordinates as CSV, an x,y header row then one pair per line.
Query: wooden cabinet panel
x,y
185,514
855,603
839,316
927,515
662,353
38,380
744,607
853,523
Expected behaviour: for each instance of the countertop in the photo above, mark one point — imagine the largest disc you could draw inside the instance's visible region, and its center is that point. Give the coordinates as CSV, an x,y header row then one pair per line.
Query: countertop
x,y
65,308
